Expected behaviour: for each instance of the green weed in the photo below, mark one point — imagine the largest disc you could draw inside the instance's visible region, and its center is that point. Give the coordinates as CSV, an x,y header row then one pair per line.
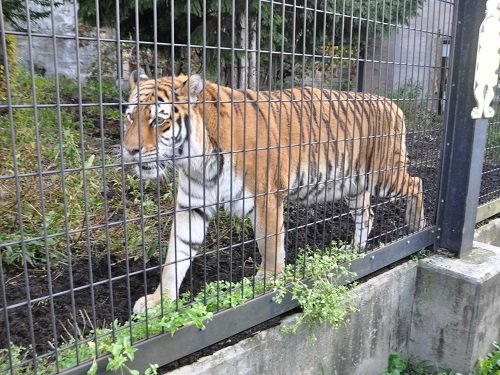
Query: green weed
x,y
491,364
415,108
414,366
316,285
329,303
66,178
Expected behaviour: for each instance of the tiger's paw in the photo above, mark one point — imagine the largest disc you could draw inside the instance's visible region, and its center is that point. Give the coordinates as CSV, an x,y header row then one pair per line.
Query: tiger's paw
x,y
145,303
267,275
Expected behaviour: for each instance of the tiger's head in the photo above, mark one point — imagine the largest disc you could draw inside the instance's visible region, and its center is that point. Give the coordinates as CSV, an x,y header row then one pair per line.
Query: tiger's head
x,y
159,121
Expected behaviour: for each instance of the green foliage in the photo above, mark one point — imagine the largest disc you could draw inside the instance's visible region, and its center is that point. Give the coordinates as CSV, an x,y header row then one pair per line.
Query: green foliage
x,y
15,355
197,310
409,98
49,139
414,366
317,288
491,364
269,25
492,152
397,365
15,12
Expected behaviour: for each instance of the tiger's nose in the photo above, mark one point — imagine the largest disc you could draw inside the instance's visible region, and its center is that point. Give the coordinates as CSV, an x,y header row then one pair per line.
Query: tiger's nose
x,y
132,149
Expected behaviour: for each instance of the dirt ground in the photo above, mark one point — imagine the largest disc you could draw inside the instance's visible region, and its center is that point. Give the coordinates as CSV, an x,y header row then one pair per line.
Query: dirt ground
x,y
76,307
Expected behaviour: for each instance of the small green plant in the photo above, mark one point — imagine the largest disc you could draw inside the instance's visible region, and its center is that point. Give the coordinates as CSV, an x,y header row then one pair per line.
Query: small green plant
x,y
491,364
397,365
18,355
316,285
321,298
414,366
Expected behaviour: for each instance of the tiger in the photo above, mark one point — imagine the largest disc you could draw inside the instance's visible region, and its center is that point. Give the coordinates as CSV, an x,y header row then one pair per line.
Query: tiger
x,y
251,151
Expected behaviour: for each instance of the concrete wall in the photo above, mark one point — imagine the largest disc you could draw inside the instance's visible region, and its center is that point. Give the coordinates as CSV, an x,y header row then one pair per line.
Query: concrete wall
x,y
384,316
412,52
456,314
442,309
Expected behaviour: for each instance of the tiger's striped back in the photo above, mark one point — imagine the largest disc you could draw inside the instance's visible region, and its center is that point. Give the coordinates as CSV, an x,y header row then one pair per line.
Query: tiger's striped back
x,y
251,150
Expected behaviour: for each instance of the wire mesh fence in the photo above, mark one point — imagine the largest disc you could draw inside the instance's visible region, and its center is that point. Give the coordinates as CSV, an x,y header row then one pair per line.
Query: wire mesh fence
x,y
277,126
491,169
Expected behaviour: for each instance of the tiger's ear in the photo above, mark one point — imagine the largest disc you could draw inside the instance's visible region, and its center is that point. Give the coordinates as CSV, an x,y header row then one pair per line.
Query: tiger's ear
x,y
135,79
194,87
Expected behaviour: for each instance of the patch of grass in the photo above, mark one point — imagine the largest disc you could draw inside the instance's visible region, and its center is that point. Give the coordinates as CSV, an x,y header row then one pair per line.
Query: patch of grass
x,y
416,366
491,364
68,178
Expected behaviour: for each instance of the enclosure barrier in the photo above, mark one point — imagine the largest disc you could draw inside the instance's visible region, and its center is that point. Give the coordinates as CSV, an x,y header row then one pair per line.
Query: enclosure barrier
x,y
283,106
489,199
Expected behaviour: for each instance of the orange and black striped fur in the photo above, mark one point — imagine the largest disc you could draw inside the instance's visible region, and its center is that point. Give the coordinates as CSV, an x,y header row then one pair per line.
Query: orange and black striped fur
x,y
248,151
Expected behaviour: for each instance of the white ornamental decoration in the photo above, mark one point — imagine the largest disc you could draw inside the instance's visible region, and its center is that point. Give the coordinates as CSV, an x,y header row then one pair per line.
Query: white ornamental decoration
x,y
487,61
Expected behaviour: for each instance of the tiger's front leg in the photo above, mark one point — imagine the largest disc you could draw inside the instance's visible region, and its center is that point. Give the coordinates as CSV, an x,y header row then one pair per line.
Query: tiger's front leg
x,y
270,235
186,237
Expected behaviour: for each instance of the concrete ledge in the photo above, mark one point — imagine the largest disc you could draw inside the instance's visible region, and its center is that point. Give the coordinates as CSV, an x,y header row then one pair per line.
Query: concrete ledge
x,y
489,233
381,326
443,309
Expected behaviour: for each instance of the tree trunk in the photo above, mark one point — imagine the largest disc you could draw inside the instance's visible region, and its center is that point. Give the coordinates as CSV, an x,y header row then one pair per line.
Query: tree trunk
x,y
242,60
252,56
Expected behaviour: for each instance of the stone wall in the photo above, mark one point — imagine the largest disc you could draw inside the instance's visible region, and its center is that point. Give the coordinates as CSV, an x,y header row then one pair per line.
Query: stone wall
x,y
54,48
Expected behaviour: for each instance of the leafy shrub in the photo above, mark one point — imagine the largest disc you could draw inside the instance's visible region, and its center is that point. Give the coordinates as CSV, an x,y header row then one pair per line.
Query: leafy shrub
x,y
409,98
315,282
491,364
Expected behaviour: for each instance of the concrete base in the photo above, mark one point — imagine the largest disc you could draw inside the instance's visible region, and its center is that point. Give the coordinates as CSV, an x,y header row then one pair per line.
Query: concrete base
x,y
381,326
442,309
457,308
489,233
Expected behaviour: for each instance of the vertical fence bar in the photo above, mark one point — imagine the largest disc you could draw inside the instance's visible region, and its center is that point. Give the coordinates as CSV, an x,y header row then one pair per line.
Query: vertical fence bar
x,y
465,139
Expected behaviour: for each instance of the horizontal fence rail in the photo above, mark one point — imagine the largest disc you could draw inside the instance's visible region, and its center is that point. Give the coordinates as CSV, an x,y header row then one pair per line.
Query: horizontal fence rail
x,y
192,152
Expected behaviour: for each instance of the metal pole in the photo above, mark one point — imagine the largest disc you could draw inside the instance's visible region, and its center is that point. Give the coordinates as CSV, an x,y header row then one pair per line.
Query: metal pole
x,y
465,138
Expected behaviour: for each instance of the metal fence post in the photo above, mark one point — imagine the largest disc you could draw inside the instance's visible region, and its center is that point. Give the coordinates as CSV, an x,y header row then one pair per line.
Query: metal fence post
x,y
465,138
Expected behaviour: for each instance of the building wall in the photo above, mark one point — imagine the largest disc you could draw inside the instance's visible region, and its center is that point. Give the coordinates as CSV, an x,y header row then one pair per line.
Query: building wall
x,y
411,52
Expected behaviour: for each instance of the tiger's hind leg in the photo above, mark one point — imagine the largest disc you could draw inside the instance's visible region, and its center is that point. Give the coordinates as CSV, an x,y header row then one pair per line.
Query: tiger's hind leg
x,y
414,215
362,214
403,185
